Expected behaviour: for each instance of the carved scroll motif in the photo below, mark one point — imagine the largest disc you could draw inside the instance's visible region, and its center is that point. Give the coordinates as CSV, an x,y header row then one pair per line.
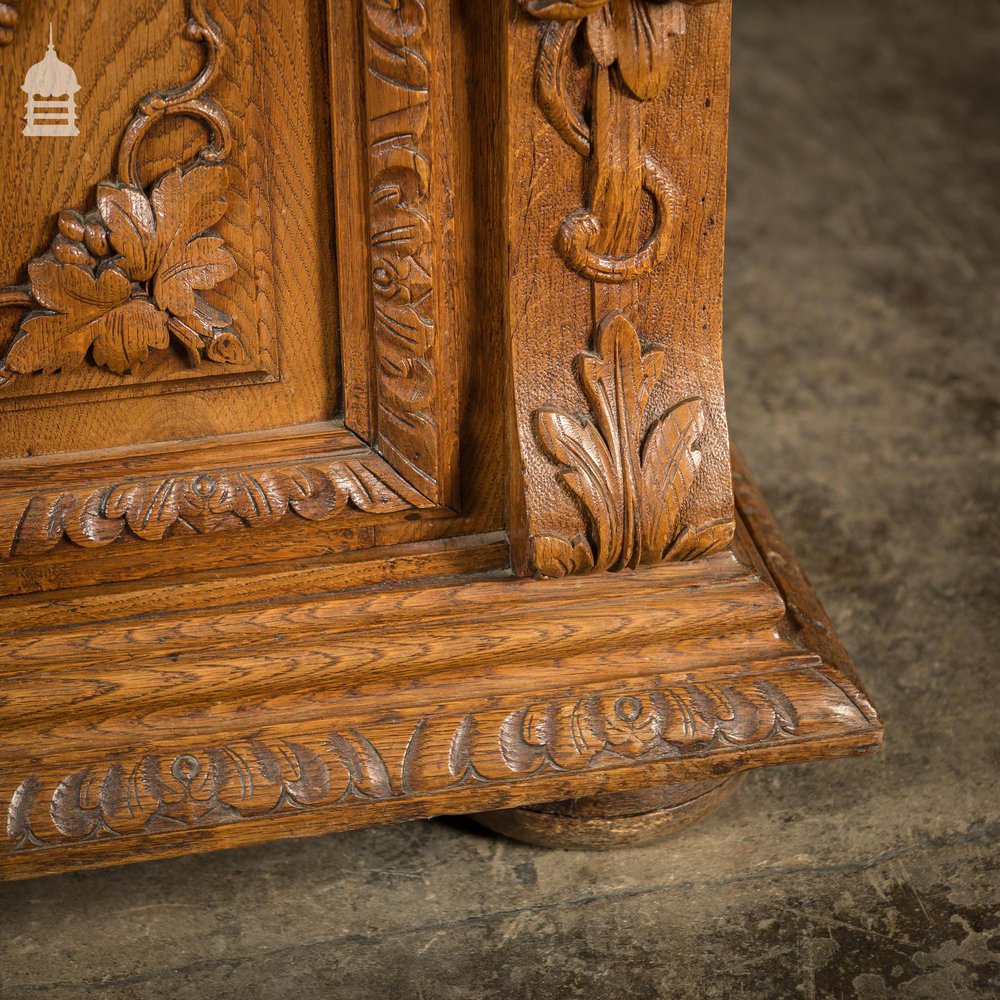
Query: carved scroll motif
x,y
8,21
398,103
206,786
126,277
630,480
631,42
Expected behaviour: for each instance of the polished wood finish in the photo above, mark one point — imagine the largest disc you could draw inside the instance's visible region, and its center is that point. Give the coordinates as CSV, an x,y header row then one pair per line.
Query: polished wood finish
x,y
618,819
363,451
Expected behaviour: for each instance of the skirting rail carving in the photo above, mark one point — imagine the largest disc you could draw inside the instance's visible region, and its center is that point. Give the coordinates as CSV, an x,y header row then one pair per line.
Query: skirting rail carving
x,y
256,777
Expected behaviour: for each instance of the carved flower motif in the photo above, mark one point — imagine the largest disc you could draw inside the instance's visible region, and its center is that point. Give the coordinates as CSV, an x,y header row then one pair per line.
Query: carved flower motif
x,y
635,34
124,278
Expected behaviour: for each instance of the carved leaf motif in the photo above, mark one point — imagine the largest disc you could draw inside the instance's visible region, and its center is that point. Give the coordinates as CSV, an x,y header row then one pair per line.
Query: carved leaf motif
x,y
147,257
631,486
670,463
591,474
128,217
126,335
642,33
555,557
692,543
185,205
81,308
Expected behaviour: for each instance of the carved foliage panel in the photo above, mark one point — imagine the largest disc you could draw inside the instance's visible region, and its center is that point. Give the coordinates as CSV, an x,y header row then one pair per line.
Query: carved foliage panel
x,y
620,405
153,280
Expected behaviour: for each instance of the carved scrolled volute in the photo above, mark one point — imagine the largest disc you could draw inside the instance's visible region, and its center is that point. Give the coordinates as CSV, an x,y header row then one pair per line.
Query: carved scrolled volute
x,y
631,43
126,277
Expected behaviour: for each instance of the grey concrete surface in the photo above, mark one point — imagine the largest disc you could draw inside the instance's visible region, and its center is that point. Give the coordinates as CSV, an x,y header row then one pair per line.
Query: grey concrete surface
x,y
863,326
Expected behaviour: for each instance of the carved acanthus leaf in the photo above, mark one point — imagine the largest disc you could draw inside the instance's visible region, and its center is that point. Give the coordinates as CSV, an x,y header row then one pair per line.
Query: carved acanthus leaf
x,y
631,481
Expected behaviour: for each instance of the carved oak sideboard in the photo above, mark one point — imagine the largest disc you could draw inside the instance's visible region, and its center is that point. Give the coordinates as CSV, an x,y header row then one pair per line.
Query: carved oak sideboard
x,y
363,447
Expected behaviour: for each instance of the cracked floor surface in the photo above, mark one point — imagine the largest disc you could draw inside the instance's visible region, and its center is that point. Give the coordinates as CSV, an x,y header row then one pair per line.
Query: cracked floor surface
x,y
863,320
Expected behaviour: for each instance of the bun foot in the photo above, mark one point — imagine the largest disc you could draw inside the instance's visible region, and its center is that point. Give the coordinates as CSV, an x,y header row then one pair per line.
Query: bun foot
x,y
618,819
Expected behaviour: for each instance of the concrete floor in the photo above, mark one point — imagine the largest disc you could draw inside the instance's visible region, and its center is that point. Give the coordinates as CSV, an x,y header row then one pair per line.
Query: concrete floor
x,y
863,332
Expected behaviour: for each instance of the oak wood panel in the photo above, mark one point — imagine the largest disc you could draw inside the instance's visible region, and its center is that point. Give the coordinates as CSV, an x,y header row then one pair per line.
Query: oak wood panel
x,y
276,68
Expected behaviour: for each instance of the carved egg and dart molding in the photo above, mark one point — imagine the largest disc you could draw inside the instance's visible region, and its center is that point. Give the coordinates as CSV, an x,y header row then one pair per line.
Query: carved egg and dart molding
x,y
125,278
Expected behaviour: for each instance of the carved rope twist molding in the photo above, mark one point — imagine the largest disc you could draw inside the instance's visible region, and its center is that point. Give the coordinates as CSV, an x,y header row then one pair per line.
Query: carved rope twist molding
x,y
260,776
126,278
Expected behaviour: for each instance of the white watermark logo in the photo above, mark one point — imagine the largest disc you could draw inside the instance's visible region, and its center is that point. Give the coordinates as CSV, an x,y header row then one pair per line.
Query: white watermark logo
x,y
51,87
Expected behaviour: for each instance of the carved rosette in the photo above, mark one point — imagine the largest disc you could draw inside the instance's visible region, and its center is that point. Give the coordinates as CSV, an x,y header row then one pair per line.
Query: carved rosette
x,y
398,102
630,478
126,277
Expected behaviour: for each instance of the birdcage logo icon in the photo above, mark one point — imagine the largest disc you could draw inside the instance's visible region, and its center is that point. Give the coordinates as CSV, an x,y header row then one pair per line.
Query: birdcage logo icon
x,y
51,87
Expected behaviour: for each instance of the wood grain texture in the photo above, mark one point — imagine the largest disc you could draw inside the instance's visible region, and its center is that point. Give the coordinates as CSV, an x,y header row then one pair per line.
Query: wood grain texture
x,y
716,692
121,281
8,21
639,120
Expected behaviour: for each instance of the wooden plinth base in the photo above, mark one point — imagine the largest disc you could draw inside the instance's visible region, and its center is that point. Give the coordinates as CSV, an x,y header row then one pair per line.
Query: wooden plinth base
x,y
620,819
141,722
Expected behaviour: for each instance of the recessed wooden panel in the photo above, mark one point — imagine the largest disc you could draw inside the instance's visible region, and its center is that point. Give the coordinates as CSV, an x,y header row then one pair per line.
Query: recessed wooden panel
x,y
276,192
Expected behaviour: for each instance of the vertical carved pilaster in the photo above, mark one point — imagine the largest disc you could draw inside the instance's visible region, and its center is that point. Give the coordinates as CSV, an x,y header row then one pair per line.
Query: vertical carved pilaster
x,y
644,460
397,86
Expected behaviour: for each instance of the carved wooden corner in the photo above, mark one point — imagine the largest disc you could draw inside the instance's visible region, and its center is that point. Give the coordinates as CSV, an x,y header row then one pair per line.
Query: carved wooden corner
x,y
618,411
631,619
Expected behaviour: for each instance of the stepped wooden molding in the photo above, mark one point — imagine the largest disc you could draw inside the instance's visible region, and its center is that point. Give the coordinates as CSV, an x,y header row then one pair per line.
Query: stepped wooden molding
x,y
515,694
125,278
631,480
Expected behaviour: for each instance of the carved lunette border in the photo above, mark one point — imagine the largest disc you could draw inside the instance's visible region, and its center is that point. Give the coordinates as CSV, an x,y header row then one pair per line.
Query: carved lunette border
x,y
630,473
203,786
